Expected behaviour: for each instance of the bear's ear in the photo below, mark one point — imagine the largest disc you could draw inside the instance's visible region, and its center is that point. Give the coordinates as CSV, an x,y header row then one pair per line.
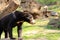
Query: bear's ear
x,y
25,11
25,14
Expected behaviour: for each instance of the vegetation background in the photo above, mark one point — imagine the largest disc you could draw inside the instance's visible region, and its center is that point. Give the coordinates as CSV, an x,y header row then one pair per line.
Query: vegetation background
x,y
41,30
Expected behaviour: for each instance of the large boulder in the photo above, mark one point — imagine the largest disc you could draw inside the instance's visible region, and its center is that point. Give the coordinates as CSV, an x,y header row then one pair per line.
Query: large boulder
x,y
31,6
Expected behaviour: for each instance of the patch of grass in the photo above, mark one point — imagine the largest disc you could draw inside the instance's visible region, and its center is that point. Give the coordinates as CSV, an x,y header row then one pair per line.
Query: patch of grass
x,y
38,30
53,36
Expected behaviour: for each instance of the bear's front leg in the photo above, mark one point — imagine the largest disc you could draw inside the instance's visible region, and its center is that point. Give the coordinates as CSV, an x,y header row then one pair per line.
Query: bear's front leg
x,y
19,31
10,33
6,33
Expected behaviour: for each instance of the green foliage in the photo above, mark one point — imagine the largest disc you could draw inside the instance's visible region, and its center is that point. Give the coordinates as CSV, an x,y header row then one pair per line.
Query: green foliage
x,y
47,2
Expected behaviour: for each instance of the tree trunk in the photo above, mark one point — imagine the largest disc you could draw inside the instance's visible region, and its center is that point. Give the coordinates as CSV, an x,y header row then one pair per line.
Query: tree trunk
x,y
8,6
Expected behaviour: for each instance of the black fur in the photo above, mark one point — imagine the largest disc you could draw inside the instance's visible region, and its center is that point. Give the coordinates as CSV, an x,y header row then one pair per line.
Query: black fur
x,y
10,21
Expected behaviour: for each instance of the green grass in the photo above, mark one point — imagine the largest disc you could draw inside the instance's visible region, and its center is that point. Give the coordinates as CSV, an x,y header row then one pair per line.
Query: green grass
x,y
39,30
